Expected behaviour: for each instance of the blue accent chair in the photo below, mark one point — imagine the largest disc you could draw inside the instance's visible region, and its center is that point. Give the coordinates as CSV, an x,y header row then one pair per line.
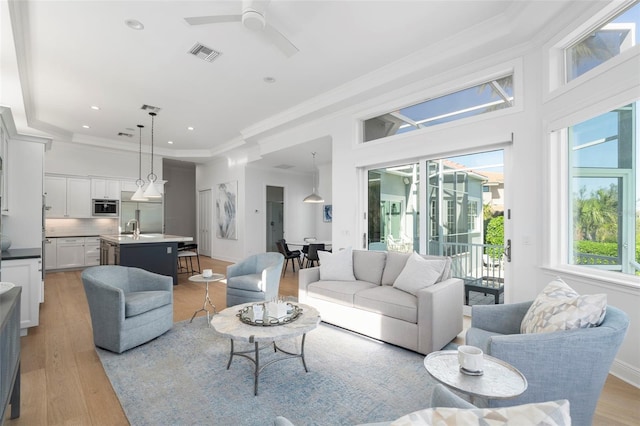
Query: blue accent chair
x,y
128,306
571,364
254,279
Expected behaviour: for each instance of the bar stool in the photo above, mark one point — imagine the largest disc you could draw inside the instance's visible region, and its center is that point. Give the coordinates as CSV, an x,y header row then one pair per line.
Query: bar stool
x,y
186,253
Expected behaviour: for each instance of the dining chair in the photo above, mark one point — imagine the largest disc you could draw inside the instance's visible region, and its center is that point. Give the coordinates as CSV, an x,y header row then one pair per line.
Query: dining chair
x,y
312,255
288,255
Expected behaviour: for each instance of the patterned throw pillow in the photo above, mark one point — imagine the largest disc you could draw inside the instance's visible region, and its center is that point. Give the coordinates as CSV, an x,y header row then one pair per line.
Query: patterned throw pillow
x,y
552,413
559,307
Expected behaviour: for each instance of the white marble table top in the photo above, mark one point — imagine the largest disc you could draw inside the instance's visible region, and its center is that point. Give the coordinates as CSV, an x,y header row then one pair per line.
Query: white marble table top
x,y
500,380
201,279
227,324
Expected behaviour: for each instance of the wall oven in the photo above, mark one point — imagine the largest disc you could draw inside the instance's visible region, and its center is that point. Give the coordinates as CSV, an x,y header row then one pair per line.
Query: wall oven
x,y
105,208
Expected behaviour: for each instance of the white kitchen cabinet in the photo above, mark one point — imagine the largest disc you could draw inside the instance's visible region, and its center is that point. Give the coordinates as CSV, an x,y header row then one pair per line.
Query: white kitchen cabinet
x,y
50,253
26,274
70,252
56,196
91,251
105,189
68,197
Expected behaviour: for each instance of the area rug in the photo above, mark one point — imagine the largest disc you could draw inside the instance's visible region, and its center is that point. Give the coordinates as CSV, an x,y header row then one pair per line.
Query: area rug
x,y
181,378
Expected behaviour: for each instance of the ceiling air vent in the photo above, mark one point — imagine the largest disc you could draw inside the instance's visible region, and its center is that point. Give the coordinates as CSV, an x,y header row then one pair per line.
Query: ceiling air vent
x,y
150,108
203,52
283,166
129,135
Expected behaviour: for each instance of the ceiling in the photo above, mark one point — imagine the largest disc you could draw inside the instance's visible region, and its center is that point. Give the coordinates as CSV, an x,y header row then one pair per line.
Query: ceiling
x,y
72,55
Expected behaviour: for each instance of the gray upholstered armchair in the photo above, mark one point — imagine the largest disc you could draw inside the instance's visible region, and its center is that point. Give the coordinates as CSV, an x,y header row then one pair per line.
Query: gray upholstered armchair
x,y
571,364
254,279
128,306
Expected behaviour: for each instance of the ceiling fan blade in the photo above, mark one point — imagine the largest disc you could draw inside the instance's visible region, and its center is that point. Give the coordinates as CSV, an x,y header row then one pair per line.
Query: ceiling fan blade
x,y
203,20
280,41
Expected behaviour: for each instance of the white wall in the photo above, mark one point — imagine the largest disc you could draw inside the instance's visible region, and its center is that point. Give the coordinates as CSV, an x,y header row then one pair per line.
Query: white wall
x,y
300,219
527,165
209,176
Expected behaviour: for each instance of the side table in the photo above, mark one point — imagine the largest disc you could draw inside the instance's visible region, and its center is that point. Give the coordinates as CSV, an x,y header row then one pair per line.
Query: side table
x,y
500,380
206,280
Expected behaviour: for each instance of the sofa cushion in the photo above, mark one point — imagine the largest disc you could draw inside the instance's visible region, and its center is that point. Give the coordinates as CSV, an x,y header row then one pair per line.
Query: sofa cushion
x,y
139,302
388,301
559,307
551,413
368,265
394,265
337,291
336,266
419,273
249,282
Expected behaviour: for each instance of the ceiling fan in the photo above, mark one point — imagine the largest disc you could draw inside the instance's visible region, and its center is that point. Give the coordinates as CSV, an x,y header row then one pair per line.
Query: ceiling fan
x,y
253,18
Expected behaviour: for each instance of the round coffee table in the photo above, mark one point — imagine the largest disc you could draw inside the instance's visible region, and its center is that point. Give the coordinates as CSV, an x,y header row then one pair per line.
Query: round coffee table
x,y
500,380
227,324
202,279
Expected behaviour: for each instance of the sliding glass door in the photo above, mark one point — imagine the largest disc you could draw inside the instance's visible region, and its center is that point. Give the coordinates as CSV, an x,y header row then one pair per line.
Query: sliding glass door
x,y
462,214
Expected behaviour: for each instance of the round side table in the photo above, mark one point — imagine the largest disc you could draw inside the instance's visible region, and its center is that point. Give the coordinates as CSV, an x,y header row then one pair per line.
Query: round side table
x,y
206,280
500,380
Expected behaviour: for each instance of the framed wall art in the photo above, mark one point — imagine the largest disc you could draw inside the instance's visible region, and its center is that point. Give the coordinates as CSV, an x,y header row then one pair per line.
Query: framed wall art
x,y
226,205
327,212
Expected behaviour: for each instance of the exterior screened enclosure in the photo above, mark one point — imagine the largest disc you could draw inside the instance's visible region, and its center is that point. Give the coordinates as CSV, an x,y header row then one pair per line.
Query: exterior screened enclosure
x,y
461,217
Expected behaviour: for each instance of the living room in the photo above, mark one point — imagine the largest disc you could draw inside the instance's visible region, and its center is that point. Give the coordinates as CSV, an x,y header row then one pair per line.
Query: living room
x,y
528,131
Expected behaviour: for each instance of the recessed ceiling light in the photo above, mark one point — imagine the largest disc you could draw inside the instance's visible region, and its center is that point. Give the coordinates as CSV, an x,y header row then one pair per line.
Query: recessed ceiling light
x,y
269,80
86,126
95,107
189,128
134,24
170,142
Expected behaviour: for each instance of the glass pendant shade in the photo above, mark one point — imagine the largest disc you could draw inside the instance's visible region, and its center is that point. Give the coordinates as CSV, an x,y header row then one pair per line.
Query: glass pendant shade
x,y
152,191
138,195
313,197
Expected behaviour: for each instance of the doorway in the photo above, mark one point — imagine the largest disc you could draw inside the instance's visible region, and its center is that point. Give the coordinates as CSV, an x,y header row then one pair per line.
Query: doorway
x,y
205,221
451,206
275,216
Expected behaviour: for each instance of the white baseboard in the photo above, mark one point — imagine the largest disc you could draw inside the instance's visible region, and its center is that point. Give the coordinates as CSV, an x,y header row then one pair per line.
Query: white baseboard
x,y
626,372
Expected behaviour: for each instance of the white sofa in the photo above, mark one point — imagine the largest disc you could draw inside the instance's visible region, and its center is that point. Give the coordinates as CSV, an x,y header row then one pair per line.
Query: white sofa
x,y
372,306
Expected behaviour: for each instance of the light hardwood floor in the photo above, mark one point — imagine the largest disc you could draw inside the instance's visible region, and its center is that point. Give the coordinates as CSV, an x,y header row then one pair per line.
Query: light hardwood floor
x,y
63,381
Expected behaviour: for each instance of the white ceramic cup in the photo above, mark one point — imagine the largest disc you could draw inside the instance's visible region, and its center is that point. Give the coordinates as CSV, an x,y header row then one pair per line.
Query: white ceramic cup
x,y
207,273
470,358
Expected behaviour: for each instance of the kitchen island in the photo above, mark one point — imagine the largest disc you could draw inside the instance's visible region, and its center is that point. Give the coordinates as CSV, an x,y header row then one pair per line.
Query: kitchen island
x,y
154,252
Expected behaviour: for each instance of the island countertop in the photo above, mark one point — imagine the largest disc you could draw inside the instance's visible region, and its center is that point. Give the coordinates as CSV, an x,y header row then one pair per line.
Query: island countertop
x,y
145,238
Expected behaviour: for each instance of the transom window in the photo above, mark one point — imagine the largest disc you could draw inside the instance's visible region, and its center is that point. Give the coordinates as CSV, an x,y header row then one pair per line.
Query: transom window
x,y
606,42
489,96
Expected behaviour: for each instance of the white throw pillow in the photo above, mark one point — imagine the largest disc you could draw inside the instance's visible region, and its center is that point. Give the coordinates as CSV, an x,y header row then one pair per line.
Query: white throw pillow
x,y
419,273
336,266
551,413
559,307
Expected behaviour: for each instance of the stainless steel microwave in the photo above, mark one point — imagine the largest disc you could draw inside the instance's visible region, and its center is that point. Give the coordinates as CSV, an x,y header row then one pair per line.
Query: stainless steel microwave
x,y
105,208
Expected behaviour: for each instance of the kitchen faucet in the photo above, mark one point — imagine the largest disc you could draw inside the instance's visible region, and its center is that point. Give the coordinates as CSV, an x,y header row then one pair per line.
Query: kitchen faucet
x,y
135,227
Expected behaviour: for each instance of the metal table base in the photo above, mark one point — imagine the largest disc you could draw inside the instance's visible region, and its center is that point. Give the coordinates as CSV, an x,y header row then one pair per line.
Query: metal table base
x,y
256,358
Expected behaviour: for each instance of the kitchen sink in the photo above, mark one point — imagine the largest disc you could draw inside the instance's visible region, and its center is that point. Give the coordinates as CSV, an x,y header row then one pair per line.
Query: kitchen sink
x,y
143,236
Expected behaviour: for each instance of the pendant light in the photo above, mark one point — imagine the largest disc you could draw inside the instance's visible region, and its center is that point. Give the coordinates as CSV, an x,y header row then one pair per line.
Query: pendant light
x,y
152,191
314,197
138,195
